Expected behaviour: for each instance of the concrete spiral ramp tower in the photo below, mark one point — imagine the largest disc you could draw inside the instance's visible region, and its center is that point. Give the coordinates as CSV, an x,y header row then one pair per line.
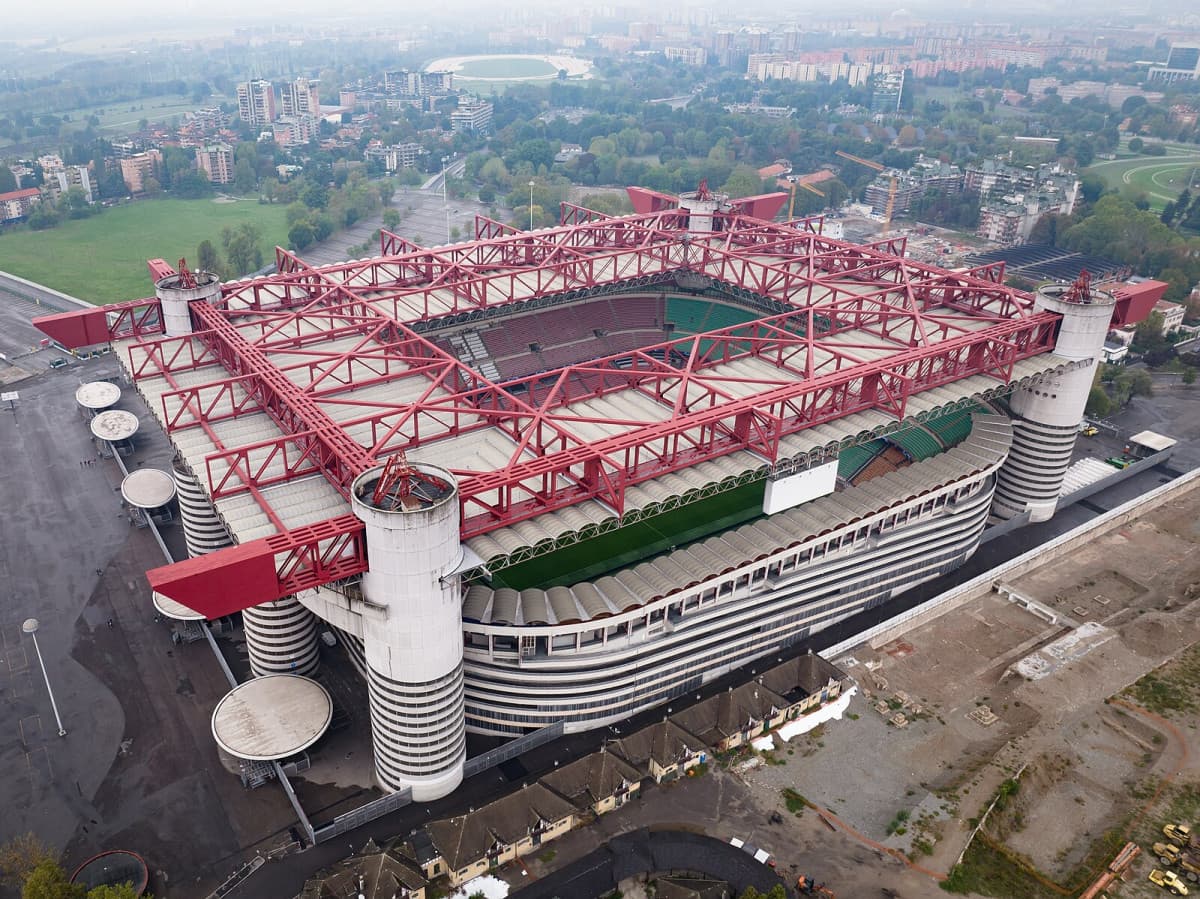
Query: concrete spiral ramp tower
x,y
412,626
1047,413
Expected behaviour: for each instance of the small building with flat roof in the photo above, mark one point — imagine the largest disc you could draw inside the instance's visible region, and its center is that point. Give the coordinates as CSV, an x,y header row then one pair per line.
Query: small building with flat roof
x,y
272,717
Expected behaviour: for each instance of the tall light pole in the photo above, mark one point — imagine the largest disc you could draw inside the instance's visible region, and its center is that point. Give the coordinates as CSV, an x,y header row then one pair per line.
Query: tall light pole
x,y
445,201
30,627
530,204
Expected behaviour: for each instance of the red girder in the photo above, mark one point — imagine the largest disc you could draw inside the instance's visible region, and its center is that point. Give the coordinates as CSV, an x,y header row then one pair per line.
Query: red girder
x,y
672,445
238,577
269,338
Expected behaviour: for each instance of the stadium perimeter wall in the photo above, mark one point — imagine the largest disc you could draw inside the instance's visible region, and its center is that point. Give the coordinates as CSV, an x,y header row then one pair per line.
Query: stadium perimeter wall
x,y
889,630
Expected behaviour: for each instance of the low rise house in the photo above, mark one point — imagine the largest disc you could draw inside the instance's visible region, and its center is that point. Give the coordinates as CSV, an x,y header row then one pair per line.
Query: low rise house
x,y
806,682
372,873
486,838
727,720
662,751
596,783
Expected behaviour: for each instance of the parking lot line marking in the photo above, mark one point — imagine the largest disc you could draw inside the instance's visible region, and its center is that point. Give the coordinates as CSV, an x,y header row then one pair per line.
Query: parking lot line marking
x,y
31,729
16,658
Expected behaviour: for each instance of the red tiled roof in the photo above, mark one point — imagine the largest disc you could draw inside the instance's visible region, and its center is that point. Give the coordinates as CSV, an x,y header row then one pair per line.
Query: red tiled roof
x,y
19,194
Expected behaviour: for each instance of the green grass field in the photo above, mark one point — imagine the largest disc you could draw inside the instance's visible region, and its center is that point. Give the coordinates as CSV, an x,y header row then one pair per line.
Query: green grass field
x,y
505,67
1160,178
608,552
102,259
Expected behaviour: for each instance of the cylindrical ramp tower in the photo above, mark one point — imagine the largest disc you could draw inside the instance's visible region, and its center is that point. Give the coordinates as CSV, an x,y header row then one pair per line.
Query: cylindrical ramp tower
x,y
412,626
203,531
1046,415
176,291
281,636
702,206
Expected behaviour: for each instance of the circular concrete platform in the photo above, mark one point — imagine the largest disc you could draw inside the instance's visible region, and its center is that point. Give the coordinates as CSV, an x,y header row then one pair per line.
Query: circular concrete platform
x,y
172,609
272,717
115,424
97,395
148,488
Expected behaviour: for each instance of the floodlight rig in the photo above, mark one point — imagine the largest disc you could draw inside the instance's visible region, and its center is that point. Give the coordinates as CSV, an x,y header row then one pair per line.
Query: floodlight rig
x,y
186,279
399,481
1081,288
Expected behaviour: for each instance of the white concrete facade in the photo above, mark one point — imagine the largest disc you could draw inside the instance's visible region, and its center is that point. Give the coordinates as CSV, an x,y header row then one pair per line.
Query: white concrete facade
x,y
177,320
1046,415
412,637
590,674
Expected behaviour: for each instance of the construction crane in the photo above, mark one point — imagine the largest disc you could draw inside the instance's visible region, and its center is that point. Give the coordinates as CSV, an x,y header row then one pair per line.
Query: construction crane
x,y
808,187
892,183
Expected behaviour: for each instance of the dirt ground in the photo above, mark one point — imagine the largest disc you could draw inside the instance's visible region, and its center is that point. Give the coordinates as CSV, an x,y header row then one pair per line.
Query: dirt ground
x,y
1029,690
994,690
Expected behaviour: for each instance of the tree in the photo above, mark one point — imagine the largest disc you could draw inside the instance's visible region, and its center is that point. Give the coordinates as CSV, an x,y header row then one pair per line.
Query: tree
x,y
1189,376
242,248
314,195
300,235
391,218
75,203
1098,403
48,881
907,137
120,891
207,259
8,181
743,182
1130,383
1148,336
244,178
1136,145
20,855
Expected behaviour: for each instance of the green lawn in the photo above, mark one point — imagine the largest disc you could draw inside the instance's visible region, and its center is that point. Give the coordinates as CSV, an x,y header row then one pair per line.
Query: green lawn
x,y
1160,178
616,549
102,259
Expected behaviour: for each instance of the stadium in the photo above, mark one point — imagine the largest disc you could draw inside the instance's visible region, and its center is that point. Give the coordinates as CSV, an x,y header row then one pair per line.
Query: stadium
x,y
568,474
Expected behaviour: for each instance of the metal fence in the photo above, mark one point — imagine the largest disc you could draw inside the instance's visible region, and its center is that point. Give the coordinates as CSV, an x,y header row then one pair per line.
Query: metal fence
x,y
376,808
511,750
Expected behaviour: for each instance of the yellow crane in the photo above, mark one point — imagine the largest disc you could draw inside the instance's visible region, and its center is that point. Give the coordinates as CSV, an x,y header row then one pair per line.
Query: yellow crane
x,y
891,200
792,202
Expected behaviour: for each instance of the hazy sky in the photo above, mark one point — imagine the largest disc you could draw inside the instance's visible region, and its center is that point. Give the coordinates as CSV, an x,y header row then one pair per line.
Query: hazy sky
x,y
76,18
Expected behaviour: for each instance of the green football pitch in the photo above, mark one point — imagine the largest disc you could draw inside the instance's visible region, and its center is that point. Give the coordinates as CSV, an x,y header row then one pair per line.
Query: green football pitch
x,y
102,259
606,552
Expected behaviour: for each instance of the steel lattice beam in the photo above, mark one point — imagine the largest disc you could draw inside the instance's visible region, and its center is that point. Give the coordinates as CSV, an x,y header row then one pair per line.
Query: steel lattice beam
x,y
867,329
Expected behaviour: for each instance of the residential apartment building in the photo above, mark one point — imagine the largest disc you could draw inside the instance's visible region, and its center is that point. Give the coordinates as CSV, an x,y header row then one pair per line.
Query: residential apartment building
x,y
293,130
256,103
691,56
58,178
216,161
396,156
473,115
136,169
1183,64
300,98
15,205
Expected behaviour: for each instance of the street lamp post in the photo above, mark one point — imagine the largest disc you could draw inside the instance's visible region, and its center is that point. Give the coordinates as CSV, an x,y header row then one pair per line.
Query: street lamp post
x,y
530,204
30,627
445,199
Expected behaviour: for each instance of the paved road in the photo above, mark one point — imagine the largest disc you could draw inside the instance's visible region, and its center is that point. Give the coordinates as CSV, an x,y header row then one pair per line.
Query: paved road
x,y
286,877
424,219
138,768
653,852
